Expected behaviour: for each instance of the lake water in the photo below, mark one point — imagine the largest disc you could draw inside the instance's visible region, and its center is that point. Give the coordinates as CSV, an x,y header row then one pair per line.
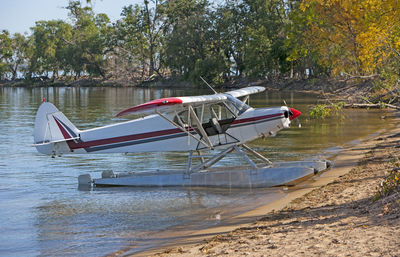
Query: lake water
x,y
42,212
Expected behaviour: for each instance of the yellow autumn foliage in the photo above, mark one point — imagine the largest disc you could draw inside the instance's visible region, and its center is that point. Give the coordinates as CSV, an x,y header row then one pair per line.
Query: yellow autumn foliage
x,y
355,36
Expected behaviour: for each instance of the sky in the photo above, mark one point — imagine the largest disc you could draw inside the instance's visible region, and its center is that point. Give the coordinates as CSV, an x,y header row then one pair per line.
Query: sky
x,y
20,15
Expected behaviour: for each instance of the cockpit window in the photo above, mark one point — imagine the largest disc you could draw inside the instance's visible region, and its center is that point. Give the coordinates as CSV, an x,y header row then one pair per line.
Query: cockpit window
x,y
236,105
215,118
230,109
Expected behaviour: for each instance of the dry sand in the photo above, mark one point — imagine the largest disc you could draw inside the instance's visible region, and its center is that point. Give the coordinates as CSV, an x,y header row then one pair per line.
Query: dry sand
x,y
331,216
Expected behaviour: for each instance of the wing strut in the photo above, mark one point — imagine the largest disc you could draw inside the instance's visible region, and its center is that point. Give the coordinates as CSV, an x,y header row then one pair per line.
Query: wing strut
x,y
206,164
184,130
215,92
200,127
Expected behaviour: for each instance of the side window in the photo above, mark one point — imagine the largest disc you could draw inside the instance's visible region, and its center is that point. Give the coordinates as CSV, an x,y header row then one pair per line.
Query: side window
x,y
207,112
182,118
215,118
221,112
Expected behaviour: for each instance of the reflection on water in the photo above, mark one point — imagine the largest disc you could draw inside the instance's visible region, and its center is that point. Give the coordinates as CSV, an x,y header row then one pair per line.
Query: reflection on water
x,y
107,219
44,213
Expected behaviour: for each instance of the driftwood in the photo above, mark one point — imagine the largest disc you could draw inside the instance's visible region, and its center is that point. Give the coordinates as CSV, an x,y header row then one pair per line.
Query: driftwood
x,y
349,76
380,105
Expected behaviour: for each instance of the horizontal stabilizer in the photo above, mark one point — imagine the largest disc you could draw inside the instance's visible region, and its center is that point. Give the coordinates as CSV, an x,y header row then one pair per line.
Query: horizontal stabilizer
x,y
57,141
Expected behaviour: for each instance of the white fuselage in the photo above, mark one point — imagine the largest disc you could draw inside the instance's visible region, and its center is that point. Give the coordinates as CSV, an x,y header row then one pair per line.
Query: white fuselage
x,y
154,133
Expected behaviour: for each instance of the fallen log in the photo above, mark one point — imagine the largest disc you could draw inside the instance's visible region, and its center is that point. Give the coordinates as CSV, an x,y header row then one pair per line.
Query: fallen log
x,y
380,105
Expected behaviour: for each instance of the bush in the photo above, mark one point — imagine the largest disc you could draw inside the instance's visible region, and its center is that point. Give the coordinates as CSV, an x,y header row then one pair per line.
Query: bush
x,y
390,184
321,111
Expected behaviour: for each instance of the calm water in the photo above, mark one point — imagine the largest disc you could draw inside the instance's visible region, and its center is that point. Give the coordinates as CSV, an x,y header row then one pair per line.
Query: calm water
x,y
42,212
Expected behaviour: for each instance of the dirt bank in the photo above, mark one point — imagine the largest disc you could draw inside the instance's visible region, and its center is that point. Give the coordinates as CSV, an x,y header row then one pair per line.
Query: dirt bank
x,y
335,219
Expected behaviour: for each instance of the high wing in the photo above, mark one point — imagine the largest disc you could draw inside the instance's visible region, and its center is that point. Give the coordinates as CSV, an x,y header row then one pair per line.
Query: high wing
x,y
169,105
245,91
169,109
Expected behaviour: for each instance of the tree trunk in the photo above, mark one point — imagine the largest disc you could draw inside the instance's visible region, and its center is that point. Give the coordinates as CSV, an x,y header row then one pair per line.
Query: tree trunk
x,y
13,72
151,68
380,105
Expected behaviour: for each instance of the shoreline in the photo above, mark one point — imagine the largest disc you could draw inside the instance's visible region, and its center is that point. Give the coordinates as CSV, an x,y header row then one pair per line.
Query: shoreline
x,y
214,241
319,85
324,87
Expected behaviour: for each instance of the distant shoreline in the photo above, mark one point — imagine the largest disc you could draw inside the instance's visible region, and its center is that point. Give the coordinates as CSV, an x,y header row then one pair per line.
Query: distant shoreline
x,y
328,89
312,84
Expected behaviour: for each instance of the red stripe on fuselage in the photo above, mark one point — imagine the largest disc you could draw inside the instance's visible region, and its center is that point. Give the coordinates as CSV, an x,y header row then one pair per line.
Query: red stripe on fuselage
x,y
256,118
114,140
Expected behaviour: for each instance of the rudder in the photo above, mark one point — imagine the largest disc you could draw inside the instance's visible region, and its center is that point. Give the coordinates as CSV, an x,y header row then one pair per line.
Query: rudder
x,y
53,130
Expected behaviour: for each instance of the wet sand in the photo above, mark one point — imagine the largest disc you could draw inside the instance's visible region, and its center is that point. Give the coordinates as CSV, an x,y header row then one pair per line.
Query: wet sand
x,y
331,215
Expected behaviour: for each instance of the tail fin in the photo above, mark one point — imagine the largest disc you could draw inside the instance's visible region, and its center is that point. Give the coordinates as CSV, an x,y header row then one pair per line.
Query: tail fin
x,y
53,130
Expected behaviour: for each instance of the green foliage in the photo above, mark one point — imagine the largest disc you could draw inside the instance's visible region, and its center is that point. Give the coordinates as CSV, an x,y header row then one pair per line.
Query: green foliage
x,y
265,36
322,111
6,52
245,39
189,45
230,26
89,40
75,48
14,54
140,33
47,40
337,107
208,69
193,38
390,184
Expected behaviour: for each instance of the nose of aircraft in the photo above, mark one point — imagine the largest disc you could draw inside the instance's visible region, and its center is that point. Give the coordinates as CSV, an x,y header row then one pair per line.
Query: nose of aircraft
x,y
294,114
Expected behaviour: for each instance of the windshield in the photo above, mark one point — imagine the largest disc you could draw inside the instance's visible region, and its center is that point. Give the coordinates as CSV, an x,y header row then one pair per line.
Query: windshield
x,y
236,105
228,110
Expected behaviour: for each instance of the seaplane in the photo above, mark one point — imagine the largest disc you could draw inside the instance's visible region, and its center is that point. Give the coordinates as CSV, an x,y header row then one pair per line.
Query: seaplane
x,y
194,124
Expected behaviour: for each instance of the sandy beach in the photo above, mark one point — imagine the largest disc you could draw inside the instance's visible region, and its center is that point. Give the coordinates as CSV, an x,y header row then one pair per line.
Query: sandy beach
x,y
331,215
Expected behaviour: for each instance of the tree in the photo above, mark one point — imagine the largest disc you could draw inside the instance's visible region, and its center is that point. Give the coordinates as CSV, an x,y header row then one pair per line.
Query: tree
x,y
6,52
20,46
303,57
230,25
190,48
140,33
89,43
352,37
47,43
14,51
265,35
80,48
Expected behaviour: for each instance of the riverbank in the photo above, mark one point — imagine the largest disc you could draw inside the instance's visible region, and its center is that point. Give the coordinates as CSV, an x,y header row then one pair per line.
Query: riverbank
x,y
328,89
320,85
332,216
